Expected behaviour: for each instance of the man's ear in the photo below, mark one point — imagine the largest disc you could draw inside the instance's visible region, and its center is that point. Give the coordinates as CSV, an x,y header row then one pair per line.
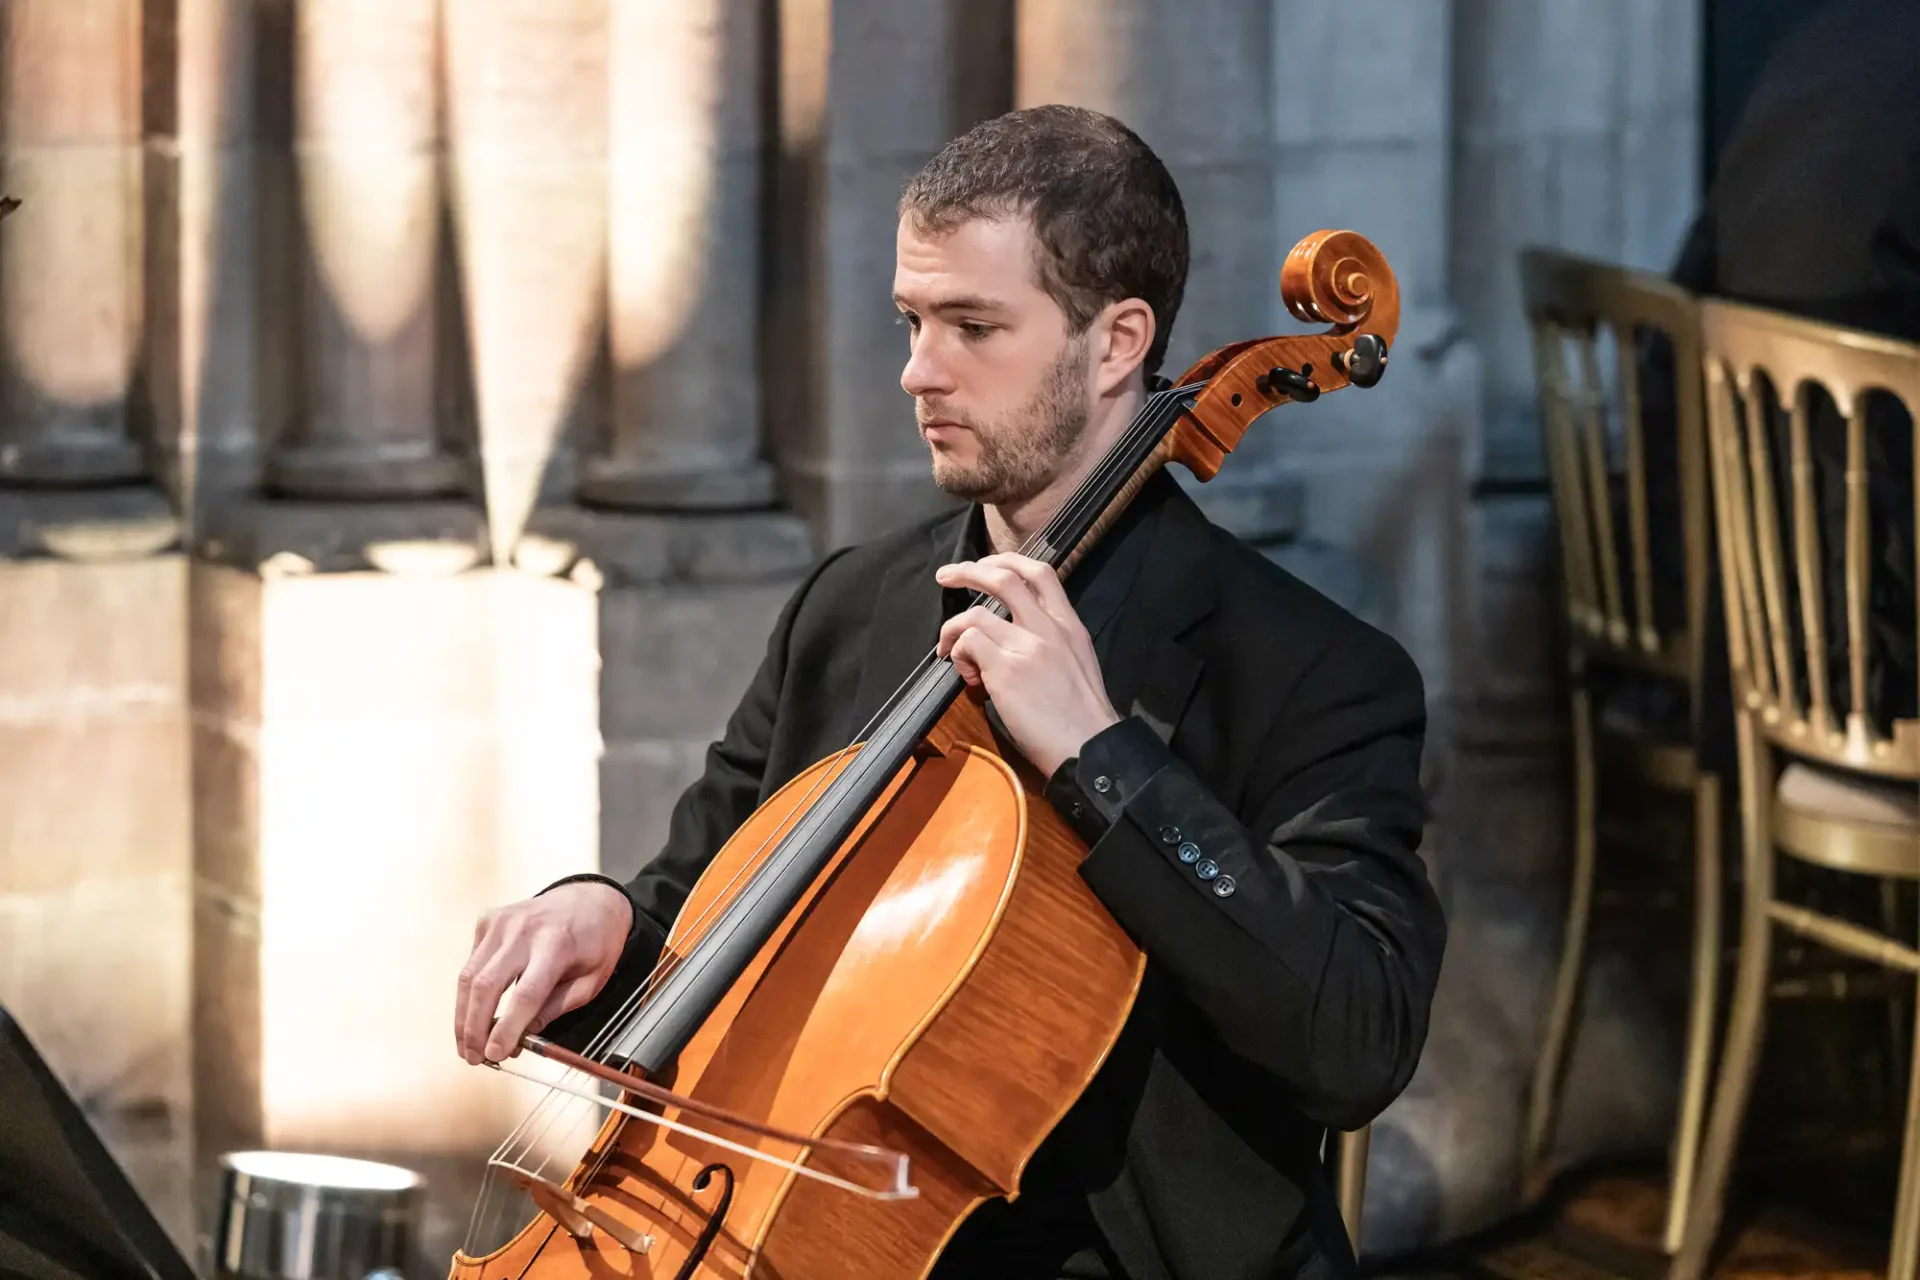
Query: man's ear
x,y
1128,328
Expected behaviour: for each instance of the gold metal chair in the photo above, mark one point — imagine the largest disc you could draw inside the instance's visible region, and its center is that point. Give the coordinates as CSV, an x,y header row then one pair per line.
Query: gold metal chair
x,y
1611,623
1827,790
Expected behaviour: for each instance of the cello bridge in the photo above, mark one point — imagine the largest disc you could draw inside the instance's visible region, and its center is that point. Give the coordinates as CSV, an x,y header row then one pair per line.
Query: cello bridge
x,y
577,1217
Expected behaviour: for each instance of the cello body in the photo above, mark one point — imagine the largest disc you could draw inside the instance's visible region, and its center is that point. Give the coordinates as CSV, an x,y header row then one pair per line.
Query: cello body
x,y
954,918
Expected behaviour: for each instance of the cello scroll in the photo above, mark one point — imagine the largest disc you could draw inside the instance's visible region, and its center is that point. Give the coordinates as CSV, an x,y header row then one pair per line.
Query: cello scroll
x,y
1333,277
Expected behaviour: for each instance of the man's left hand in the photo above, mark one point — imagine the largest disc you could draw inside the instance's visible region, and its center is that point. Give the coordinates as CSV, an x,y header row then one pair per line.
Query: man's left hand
x,y
1039,668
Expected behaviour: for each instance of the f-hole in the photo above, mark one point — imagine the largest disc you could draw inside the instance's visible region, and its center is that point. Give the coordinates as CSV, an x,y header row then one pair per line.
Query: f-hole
x,y
714,1219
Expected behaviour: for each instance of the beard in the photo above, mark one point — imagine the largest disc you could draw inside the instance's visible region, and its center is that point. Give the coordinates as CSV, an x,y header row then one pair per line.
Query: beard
x,y
1019,453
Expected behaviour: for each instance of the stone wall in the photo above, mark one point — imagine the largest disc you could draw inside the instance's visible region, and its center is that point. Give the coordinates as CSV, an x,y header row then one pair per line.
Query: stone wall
x,y
457,390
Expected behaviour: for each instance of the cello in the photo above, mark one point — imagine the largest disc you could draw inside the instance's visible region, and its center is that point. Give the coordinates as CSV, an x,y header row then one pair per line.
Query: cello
x,y
890,983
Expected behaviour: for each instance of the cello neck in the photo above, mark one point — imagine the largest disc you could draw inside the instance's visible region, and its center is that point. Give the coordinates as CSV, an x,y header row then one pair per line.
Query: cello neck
x,y
1140,451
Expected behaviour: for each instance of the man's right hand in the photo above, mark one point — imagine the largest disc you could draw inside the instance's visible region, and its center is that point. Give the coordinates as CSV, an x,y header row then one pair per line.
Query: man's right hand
x,y
556,951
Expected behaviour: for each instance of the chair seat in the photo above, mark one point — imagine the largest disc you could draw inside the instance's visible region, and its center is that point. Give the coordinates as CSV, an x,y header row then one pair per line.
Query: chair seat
x,y
1848,821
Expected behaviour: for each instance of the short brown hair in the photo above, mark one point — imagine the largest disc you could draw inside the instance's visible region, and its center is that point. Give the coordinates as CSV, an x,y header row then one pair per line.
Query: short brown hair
x,y
1105,210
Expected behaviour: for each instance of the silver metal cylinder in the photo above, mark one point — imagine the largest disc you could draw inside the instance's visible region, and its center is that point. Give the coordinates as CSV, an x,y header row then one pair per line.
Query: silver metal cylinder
x,y
288,1215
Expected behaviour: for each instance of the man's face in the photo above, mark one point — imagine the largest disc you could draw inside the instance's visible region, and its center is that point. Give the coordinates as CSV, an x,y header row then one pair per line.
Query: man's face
x,y
1000,388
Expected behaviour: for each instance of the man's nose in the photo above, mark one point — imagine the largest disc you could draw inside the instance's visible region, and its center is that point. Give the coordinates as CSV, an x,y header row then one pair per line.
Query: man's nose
x,y
925,374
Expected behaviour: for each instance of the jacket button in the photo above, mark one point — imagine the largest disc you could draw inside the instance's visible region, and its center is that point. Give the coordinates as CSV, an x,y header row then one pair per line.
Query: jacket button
x,y
1170,835
1103,784
1189,853
1207,869
1223,887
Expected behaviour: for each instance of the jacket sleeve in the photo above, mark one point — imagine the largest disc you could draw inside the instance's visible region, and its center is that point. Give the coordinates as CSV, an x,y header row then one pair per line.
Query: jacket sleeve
x,y
1303,927
705,816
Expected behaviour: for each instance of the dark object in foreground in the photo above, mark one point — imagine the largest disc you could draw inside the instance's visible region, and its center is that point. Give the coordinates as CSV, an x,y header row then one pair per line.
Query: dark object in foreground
x,y
65,1205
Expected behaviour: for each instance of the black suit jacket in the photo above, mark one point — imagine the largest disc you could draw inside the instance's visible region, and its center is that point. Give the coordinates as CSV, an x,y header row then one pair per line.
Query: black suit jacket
x,y
1263,723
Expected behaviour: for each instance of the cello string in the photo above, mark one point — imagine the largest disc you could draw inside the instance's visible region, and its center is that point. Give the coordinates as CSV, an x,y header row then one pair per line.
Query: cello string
x,y
1161,410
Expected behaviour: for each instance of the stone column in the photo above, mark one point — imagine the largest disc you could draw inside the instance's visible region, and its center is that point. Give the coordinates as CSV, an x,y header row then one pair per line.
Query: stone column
x,y
867,95
684,259
528,118
1201,112
70,256
367,413
204,132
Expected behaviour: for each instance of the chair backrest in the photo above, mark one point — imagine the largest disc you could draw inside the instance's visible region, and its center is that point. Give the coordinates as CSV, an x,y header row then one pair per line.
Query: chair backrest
x,y
1572,305
1763,367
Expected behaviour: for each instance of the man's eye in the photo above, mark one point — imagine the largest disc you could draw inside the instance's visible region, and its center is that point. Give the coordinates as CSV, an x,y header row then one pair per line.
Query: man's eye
x,y
976,330
908,319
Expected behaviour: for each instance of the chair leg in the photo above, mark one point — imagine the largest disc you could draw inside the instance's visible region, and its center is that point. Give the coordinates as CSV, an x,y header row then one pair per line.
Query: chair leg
x,y
1700,1015
1899,1043
1351,1182
1903,1258
1746,1025
1545,1098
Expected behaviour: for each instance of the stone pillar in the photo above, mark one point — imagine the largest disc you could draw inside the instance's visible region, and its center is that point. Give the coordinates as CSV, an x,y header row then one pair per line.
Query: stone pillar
x,y
203,135
1200,113
368,417
867,95
684,259
70,256
528,118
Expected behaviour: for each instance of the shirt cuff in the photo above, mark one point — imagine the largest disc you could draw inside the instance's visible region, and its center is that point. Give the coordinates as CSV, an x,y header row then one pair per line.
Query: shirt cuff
x,y
1092,790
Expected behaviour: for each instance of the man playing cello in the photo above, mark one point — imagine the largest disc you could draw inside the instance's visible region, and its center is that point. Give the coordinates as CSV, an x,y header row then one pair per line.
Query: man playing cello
x,y
1240,755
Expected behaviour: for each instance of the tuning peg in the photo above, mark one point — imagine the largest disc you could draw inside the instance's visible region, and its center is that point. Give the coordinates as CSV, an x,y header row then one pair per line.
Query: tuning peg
x,y
1366,363
1295,384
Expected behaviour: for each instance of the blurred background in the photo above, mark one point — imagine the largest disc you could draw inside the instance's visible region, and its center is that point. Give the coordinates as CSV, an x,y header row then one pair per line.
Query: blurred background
x,y
414,412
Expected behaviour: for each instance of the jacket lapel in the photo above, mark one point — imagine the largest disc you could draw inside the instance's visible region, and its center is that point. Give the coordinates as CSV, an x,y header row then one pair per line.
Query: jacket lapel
x,y
1150,672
